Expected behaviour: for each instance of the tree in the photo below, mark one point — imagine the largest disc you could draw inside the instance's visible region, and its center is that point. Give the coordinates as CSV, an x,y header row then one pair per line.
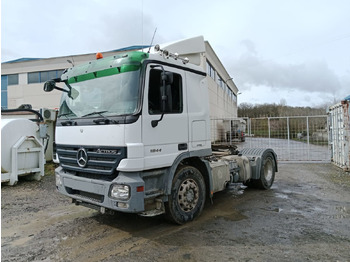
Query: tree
x,y
277,110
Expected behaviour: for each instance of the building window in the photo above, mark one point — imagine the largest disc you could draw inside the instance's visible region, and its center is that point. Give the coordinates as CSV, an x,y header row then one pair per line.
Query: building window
x,y
55,74
173,93
33,77
4,91
220,82
43,76
210,70
7,80
12,79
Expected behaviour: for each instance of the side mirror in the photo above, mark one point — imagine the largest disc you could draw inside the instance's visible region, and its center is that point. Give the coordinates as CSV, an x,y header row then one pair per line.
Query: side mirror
x,y
167,80
168,77
49,85
73,93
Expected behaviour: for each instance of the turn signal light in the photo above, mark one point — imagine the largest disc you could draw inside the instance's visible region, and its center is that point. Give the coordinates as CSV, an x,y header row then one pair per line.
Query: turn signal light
x,y
140,189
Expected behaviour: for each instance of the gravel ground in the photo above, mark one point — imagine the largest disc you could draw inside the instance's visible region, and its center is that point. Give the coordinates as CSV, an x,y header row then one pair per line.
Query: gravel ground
x,y
304,217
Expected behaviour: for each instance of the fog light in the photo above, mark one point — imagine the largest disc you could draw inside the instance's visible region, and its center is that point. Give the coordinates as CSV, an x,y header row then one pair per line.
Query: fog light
x,y
58,180
120,192
122,205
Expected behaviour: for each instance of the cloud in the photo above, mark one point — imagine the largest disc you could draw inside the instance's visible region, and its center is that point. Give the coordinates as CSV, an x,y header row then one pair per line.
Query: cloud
x,y
310,76
85,27
124,28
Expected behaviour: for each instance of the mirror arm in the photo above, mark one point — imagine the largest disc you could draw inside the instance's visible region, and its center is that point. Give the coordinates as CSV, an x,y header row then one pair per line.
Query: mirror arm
x,y
154,123
58,80
61,89
51,85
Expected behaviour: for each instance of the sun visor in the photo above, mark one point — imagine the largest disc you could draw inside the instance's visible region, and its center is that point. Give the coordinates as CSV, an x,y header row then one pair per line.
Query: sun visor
x,y
186,46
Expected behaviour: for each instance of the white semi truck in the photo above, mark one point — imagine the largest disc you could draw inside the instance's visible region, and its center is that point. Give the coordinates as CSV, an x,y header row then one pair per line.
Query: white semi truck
x,y
133,135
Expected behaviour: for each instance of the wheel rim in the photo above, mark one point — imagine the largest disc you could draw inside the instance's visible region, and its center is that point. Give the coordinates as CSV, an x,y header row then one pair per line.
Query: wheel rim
x,y
268,170
188,195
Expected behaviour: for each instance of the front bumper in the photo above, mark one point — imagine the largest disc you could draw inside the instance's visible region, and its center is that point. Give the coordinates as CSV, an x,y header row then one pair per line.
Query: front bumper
x,y
97,192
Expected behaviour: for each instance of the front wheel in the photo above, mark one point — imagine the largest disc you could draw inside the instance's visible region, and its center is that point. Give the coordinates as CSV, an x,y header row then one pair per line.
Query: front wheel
x,y
187,197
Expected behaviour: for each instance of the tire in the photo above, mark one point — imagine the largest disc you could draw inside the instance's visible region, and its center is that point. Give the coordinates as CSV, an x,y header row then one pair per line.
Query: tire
x,y
187,197
267,172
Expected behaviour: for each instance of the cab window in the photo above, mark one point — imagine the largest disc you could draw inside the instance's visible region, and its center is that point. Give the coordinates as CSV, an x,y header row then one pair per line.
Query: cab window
x,y
174,94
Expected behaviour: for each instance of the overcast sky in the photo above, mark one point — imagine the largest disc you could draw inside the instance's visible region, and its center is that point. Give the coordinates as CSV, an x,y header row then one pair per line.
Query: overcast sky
x,y
277,51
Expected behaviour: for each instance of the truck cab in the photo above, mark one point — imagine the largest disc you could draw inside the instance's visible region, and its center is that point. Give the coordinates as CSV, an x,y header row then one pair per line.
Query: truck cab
x,y
133,135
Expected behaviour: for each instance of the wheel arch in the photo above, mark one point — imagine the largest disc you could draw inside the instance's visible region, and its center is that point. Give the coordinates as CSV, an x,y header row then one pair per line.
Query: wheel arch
x,y
204,169
259,153
194,161
274,156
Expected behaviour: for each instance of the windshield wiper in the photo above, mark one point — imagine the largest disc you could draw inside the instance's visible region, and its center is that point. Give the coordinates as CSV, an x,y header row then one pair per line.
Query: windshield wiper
x,y
105,121
66,115
96,113
69,121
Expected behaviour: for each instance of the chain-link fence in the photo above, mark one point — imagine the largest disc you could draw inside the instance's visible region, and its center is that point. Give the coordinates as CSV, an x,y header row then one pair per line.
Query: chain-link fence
x,y
298,138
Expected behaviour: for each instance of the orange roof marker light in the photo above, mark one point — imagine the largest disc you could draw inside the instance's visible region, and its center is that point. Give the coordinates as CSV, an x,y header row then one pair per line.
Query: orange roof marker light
x,y
99,56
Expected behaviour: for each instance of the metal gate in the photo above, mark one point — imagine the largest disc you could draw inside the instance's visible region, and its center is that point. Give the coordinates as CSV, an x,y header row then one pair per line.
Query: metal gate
x,y
296,138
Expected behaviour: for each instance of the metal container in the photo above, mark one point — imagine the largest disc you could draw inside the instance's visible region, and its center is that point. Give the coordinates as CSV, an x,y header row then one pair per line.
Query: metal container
x,y
339,134
22,153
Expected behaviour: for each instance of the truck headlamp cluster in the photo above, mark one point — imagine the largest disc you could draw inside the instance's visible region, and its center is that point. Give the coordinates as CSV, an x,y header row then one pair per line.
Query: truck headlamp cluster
x,y
121,192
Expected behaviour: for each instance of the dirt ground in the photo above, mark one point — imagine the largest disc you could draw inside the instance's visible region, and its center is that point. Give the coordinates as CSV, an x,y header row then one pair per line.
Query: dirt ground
x,y
304,217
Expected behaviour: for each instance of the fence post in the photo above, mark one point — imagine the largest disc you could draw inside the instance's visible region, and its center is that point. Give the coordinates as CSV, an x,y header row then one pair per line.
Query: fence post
x,y
230,134
308,138
288,136
269,127
250,132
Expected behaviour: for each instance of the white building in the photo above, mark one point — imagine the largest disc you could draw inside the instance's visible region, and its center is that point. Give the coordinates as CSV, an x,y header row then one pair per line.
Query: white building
x,y
22,80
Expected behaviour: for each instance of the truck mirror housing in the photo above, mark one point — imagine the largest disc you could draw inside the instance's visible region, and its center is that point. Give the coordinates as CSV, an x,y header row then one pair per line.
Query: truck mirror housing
x,y
73,93
167,80
168,77
49,85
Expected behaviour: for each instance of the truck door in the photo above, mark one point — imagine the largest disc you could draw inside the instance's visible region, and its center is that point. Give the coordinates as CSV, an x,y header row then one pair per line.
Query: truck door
x,y
169,138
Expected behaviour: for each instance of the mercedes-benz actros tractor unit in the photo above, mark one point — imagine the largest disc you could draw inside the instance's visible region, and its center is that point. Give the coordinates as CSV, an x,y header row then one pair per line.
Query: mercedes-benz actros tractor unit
x,y
133,135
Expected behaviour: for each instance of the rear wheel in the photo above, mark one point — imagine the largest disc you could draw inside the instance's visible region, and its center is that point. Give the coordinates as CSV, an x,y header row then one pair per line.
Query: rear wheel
x,y
267,174
187,197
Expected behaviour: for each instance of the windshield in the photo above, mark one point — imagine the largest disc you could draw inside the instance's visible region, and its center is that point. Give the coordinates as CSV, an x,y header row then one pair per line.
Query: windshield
x,y
113,95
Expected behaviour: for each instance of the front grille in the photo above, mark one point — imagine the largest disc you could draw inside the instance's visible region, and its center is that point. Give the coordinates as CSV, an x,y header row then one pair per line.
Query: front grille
x,y
96,176
101,161
86,195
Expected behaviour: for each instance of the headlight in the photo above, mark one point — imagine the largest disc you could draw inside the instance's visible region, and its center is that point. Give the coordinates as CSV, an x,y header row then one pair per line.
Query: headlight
x,y
120,192
58,180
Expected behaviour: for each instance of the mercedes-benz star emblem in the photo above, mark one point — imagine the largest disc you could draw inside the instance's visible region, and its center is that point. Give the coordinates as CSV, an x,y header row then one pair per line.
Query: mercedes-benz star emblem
x,y
82,157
